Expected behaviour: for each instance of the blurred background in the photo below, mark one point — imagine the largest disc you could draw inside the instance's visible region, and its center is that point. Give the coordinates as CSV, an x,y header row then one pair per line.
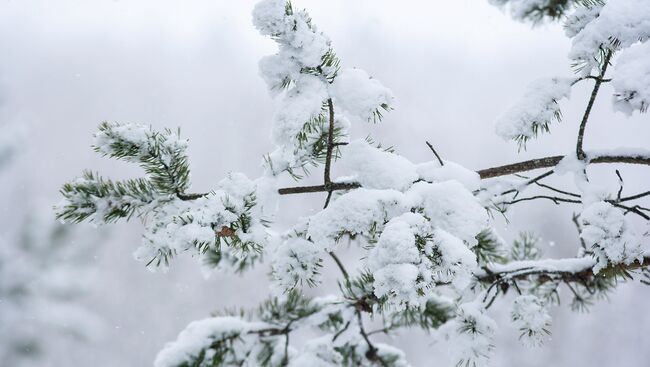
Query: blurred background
x,y
454,66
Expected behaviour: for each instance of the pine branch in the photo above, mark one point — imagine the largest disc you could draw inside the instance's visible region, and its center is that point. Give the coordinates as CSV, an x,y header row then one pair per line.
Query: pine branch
x,y
492,172
436,154
555,199
566,270
594,93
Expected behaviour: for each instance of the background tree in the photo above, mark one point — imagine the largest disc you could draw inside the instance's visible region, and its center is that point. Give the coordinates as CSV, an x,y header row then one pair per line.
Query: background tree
x,y
44,273
432,255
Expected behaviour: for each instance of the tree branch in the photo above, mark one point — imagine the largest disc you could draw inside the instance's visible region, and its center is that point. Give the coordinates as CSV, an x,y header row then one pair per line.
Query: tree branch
x,y
567,270
436,154
594,93
505,170
330,143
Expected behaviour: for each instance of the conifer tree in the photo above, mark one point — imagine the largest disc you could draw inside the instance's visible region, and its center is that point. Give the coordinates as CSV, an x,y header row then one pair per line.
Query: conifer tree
x,y
432,257
44,268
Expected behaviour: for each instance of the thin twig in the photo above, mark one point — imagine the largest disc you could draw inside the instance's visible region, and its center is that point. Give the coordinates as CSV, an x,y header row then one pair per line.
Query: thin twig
x,y
557,190
531,181
579,228
555,199
435,153
340,265
620,189
637,196
634,209
372,350
583,124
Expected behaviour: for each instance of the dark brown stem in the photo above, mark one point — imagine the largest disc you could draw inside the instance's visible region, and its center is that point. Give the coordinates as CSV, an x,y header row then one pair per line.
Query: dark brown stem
x,y
330,143
327,181
435,153
594,93
189,197
340,265
505,170
576,275
555,199
371,354
334,186
547,162
633,197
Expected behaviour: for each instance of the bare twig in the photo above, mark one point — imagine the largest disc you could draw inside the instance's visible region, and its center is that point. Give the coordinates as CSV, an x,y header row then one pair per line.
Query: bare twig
x,y
435,153
583,124
555,199
634,197
330,143
340,265
557,190
620,189
579,228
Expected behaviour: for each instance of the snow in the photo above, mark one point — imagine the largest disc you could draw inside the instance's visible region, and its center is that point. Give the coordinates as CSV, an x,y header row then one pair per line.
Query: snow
x,y
606,230
300,104
570,164
631,80
621,152
532,319
198,336
450,207
470,335
269,17
134,134
359,95
307,71
301,47
432,172
577,21
360,212
318,352
276,69
572,265
457,261
377,169
537,108
394,262
140,139
295,262
174,226
621,23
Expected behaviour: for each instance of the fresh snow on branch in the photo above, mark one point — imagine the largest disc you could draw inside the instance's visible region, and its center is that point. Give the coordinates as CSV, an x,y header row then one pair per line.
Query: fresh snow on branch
x,y
607,231
619,24
306,72
532,319
632,79
224,227
535,111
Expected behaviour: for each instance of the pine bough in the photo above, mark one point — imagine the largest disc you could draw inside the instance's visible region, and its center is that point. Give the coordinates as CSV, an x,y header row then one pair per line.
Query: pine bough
x,y
432,257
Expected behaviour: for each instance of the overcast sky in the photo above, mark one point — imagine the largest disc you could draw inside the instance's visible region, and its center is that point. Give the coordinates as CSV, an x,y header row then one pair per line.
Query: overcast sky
x,y
67,65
